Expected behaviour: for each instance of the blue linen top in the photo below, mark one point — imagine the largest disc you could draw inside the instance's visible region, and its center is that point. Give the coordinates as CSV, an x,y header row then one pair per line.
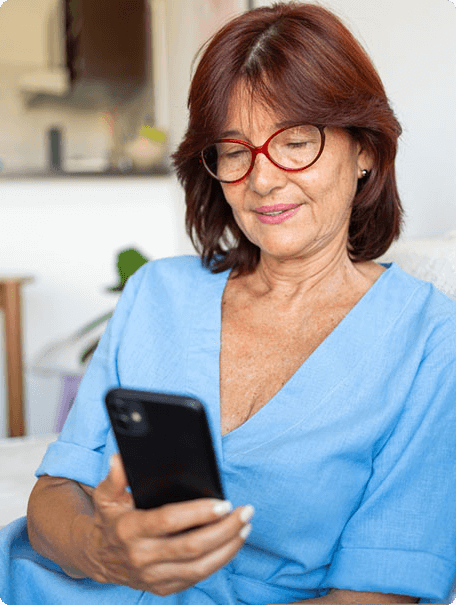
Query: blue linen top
x,y
351,466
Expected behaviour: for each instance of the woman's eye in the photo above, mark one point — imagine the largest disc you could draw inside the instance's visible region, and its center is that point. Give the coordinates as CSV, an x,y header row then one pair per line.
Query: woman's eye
x,y
231,155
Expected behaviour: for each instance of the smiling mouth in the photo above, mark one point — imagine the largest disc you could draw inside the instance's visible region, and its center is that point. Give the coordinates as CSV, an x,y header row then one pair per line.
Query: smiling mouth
x,y
277,214
273,213
275,210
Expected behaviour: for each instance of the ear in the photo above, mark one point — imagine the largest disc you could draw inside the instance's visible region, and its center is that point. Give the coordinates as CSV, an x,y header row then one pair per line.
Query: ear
x,y
365,160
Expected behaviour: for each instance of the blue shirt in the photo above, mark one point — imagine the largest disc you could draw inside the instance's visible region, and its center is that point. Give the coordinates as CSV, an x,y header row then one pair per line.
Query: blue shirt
x,y
351,466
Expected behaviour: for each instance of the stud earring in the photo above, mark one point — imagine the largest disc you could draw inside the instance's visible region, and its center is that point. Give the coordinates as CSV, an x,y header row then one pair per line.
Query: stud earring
x,y
364,173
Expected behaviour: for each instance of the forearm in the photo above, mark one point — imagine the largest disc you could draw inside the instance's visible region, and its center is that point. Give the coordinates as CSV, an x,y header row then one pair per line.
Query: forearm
x,y
59,518
351,596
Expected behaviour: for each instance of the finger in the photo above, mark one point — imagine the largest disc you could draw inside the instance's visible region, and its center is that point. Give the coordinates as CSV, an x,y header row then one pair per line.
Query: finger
x,y
199,542
182,516
189,573
112,492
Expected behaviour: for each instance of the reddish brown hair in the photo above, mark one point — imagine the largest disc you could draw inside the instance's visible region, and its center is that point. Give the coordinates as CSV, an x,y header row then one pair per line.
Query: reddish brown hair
x,y
301,61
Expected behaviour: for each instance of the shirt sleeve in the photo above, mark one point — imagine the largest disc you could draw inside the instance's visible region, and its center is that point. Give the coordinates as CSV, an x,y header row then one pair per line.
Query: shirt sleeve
x,y
78,452
402,538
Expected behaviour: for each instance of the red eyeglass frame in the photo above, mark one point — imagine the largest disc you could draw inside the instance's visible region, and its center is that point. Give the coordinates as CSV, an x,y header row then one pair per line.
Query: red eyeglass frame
x,y
264,149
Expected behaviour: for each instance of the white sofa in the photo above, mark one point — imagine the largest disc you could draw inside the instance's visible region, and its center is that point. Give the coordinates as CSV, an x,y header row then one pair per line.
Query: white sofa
x,y
433,260
19,459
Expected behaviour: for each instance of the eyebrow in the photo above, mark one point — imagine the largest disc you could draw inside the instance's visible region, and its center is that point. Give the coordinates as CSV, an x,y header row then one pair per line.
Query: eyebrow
x,y
237,134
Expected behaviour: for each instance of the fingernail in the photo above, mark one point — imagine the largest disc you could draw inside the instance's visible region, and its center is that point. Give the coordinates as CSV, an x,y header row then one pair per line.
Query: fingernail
x,y
245,531
247,513
222,507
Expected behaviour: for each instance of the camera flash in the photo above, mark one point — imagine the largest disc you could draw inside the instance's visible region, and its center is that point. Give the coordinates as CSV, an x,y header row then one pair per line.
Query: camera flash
x,y
136,417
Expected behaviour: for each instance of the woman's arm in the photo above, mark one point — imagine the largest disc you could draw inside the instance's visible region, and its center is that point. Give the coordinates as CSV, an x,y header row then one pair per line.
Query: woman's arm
x,y
57,512
98,533
352,596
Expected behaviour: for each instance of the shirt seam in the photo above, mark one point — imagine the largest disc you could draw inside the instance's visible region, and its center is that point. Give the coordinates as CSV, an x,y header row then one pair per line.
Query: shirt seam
x,y
402,550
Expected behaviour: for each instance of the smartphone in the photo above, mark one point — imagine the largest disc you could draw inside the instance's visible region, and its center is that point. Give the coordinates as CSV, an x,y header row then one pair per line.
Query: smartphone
x,y
166,447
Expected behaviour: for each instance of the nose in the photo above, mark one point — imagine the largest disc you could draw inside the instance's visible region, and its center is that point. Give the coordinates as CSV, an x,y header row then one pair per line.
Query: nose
x,y
265,177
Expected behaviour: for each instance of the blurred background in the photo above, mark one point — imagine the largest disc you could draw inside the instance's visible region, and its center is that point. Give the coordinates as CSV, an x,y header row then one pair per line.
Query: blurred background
x,y
93,101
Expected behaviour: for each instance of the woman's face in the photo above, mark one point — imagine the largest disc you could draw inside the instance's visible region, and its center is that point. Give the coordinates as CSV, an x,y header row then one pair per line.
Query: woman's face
x,y
317,200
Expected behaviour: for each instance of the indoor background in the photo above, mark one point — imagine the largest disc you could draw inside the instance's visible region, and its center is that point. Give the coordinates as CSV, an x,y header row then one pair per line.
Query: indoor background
x,y
66,231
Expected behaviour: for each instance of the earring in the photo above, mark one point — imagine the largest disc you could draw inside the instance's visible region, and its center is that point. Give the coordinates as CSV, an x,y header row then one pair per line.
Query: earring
x,y
364,173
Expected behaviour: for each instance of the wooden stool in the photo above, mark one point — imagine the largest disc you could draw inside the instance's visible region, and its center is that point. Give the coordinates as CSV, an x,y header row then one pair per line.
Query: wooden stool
x,y
10,304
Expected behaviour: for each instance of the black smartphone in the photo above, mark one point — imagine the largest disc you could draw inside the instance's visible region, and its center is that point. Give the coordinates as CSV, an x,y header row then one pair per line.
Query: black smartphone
x,y
166,446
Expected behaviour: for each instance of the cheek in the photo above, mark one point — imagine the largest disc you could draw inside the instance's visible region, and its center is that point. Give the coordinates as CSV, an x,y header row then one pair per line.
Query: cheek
x,y
339,186
228,193
233,197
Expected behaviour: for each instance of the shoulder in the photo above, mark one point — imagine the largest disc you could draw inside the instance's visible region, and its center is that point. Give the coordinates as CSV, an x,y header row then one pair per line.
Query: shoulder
x,y
170,273
420,297
426,315
173,268
172,282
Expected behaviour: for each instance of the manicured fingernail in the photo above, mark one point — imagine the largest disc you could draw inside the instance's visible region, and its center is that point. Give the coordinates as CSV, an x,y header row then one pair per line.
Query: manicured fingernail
x,y
222,507
247,513
245,531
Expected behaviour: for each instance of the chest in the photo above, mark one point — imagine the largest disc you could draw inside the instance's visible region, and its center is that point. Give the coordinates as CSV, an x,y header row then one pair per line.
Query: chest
x,y
262,347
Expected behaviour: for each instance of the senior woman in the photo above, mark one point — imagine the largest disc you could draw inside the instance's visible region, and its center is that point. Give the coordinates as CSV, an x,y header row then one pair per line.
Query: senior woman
x,y
329,379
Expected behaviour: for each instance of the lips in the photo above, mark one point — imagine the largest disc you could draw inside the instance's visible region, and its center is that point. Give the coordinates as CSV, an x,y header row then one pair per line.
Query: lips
x,y
275,208
276,213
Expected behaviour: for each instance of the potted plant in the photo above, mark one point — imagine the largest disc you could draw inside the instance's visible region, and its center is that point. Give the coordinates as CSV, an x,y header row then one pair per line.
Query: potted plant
x,y
68,359
128,262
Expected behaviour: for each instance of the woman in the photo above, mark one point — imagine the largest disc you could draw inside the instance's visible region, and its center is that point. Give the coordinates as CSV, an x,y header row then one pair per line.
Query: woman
x,y
329,379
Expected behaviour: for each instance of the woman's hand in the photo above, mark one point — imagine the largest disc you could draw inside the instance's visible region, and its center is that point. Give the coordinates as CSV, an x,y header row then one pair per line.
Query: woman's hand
x,y
162,550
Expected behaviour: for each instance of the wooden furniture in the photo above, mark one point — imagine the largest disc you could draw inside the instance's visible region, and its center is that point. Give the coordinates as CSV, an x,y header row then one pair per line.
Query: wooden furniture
x,y
10,304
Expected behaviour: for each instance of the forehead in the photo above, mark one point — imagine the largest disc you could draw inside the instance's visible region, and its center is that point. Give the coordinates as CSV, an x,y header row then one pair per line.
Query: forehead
x,y
248,112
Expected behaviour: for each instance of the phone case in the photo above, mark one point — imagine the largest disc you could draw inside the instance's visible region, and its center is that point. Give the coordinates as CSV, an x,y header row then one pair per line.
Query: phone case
x,y
166,446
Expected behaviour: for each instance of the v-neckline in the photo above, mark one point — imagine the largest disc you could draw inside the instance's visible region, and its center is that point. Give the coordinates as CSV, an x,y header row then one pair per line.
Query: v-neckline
x,y
302,368
202,374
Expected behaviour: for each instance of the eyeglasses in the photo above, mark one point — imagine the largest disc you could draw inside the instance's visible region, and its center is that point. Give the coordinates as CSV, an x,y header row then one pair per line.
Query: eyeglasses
x,y
293,149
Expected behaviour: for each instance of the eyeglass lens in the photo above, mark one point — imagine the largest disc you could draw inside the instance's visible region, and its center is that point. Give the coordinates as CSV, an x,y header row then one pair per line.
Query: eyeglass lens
x,y
294,148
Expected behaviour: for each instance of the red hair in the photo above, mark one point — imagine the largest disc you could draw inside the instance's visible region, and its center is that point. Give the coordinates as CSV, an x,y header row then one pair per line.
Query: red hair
x,y
301,61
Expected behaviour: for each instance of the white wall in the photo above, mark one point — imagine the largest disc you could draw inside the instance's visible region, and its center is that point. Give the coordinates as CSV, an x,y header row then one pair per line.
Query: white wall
x,y
412,44
190,24
67,232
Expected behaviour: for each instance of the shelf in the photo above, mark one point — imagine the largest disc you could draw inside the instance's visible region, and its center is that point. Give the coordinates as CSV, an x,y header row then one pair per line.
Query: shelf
x,y
158,171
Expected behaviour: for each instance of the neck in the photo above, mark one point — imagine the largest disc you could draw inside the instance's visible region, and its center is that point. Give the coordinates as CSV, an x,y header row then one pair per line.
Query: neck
x,y
327,272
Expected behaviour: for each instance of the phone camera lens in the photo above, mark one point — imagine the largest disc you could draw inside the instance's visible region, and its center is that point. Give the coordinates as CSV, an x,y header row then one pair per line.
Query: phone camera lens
x,y
121,423
136,417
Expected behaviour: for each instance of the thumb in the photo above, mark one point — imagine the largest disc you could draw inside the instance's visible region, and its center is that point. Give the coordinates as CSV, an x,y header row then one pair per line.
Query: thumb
x,y
112,490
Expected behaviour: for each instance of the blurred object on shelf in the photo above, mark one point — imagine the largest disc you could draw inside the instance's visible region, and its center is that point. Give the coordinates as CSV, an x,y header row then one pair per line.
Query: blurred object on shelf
x,y
133,148
55,149
81,163
145,153
153,134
